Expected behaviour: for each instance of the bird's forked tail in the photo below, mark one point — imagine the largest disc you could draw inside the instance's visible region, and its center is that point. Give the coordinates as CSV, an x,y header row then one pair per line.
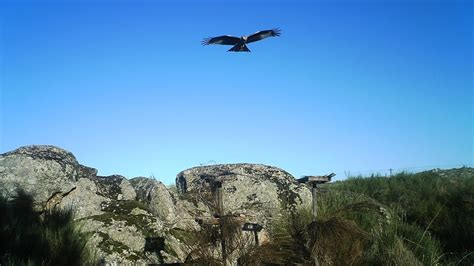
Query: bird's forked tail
x,y
239,48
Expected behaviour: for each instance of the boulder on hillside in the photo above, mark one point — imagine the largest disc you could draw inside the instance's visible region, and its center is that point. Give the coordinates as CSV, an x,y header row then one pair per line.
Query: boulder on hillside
x,y
114,187
257,192
47,172
141,220
122,229
155,194
177,214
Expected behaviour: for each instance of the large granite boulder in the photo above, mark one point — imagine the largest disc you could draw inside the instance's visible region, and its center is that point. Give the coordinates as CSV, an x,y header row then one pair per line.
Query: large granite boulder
x,y
47,172
126,232
141,220
165,204
122,229
157,196
257,192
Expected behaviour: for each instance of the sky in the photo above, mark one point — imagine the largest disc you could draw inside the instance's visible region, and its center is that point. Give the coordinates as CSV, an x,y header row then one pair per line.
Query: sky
x,y
349,86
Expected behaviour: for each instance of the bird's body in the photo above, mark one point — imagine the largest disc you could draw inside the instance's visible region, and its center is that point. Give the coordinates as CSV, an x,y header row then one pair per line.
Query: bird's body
x,y
240,44
239,48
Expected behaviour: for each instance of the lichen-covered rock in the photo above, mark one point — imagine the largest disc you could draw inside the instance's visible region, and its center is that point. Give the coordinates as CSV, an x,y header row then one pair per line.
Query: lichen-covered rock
x,y
46,172
84,200
123,230
114,187
159,199
140,221
258,192
164,203
128,192
127,232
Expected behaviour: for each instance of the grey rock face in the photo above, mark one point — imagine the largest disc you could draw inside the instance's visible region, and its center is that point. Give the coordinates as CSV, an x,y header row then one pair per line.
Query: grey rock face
x,y
153,193
120,226
164,204
114,187
128,192
259,192
120,232
85,199
46,172
141,220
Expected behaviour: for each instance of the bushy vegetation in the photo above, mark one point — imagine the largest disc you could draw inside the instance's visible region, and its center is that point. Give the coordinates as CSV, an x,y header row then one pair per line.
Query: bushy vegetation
x,y
205,246
440,202
28,238
408,219
351,229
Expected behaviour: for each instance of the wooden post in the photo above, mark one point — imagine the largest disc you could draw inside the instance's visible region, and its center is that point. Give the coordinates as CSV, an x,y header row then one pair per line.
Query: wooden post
x,y
315,205
314,181
220,204
255,228
217,187
219,216
224,253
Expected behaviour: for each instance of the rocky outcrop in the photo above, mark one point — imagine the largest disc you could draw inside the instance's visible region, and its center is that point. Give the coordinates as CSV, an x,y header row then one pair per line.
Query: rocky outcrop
x,y
176,212
85,199
258,192
47,172
155,194
106,207
140,220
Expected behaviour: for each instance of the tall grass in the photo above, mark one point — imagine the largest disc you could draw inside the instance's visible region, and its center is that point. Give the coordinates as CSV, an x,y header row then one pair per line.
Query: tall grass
x,y
26,238
408,219
205,245
351,229
440,202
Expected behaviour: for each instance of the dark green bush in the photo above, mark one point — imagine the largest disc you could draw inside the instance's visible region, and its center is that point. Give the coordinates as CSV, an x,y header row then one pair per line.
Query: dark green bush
x,y
439,202
28,238
351,229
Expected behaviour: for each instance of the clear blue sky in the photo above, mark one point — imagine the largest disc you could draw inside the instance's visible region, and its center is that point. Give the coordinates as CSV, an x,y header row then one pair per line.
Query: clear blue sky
x,y
349,86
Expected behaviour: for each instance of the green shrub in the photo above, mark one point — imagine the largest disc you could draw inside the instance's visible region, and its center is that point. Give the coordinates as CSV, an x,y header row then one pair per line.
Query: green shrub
x,y
351,229
440,202
28,238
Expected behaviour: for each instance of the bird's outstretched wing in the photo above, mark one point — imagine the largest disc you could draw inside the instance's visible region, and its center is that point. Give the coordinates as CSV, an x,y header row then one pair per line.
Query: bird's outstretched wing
x,y
262,35
224,40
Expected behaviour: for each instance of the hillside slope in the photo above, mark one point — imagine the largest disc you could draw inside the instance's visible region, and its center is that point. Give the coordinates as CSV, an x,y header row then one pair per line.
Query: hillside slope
x,y
441,201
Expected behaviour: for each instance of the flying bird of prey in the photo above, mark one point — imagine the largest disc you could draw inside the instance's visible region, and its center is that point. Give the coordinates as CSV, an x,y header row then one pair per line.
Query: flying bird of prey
x,y
239,44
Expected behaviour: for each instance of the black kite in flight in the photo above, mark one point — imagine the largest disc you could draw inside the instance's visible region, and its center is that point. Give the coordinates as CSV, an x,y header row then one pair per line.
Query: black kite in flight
x,y
239,44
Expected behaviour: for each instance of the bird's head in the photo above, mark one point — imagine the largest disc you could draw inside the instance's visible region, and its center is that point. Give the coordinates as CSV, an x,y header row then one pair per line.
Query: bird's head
x,y
244,38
